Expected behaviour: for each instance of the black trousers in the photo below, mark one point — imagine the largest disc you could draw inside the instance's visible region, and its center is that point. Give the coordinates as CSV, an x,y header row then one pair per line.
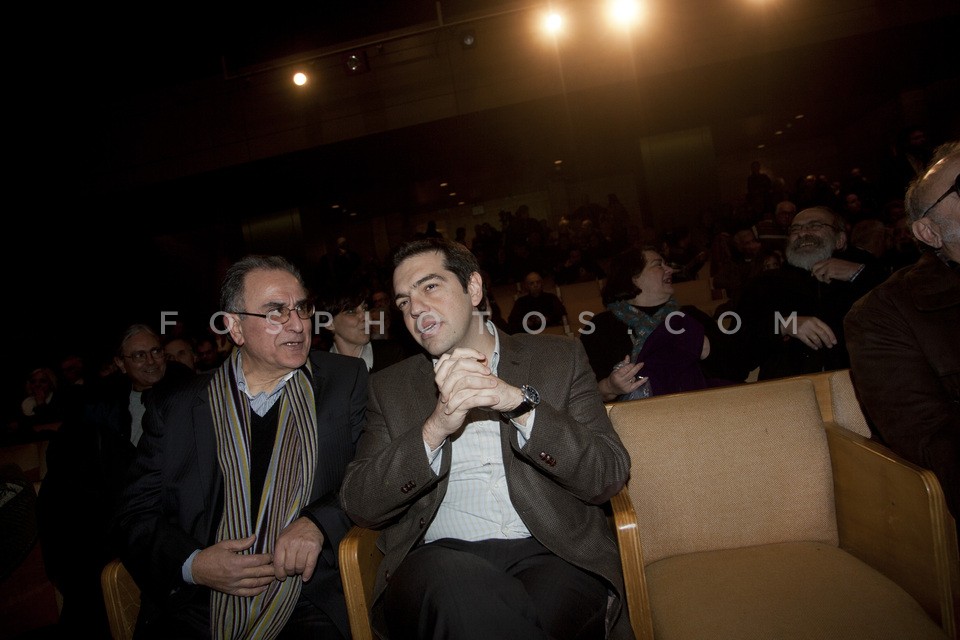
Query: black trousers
x,y
492,589
307,622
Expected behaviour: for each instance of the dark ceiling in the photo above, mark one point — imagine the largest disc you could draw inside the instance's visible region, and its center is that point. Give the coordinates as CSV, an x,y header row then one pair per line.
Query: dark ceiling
x,y
501,151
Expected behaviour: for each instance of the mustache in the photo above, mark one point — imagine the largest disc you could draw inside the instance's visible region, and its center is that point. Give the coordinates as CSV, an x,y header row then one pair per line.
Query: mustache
x,y
817,241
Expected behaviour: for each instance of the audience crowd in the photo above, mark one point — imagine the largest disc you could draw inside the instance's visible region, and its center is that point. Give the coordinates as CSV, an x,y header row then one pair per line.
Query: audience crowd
x,y
789,264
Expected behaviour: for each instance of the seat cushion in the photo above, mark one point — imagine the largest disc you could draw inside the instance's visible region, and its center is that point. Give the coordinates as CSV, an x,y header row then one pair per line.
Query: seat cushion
x,y
783,591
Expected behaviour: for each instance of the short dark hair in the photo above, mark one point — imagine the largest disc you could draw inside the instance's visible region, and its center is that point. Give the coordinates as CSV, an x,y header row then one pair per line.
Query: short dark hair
x,y
623,267
339,301
456,259
231,291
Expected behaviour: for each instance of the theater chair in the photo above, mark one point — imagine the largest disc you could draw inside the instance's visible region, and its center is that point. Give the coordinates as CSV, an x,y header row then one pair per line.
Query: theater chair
x,y
122,598
747,517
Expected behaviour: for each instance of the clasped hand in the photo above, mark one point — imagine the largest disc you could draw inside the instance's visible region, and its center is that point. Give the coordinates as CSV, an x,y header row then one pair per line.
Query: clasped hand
x,y
465,382
834,269
224,567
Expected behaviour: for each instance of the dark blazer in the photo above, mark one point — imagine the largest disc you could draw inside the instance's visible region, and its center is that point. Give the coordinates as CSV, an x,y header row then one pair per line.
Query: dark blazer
x,y
904,342
386,352
785,291
572,464
174,500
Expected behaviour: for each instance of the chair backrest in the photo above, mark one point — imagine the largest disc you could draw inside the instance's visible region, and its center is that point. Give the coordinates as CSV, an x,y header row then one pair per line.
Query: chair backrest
x,y
697,293
846,408
122,599
728,467
577,298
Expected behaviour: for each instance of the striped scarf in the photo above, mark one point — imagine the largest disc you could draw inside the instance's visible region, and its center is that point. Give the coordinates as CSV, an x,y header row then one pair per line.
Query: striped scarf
x,y
286,491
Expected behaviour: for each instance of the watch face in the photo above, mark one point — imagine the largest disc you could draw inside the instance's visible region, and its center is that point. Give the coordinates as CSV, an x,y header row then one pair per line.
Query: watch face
x,y
531,395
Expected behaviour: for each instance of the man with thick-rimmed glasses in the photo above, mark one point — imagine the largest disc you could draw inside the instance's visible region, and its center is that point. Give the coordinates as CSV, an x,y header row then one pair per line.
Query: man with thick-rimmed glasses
x,y
904,340
230,522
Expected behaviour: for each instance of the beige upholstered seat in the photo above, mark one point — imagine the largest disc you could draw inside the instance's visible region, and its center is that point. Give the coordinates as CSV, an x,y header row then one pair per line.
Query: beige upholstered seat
x,y
739,531
846,408
122,598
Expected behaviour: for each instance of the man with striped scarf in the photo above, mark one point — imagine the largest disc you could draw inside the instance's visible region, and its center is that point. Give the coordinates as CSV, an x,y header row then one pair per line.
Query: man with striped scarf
x,y
230,520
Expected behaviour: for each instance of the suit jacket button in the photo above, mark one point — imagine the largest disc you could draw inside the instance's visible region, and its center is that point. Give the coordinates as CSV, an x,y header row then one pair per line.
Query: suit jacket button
x,y
422,522
405,489
386,575
543,455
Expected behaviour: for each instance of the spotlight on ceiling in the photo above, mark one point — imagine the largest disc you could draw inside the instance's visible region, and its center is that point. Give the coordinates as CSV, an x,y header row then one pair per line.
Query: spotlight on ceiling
x,y
468,39
355,62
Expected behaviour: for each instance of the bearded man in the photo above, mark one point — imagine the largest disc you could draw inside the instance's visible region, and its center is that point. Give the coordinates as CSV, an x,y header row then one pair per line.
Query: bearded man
x,y
791,319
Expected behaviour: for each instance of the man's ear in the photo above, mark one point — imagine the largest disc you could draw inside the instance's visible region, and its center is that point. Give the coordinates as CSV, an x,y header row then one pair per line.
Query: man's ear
x,y
928,232
233,328
475,288
117,360
841,241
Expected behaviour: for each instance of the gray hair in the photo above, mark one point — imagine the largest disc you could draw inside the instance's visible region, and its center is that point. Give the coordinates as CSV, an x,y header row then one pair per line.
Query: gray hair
x,y
231,291
918,199
132,330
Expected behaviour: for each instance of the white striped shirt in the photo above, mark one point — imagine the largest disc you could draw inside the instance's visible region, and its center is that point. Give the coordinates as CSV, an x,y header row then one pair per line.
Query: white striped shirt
x,y
477,503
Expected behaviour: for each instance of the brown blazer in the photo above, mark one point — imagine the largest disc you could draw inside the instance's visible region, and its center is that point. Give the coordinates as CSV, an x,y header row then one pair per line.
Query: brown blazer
x,y
904,343
572,464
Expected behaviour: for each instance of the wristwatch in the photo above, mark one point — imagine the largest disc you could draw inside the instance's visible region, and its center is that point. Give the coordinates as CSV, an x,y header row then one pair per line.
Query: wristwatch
x,y
531,398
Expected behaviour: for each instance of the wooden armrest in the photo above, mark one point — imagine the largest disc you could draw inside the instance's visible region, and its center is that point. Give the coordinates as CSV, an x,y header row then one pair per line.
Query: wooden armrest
x,y
892,515
631,559
359,560
121,596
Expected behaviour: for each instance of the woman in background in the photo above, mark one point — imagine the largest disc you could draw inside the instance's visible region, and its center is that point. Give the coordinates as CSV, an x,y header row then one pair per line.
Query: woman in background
x,y
643,328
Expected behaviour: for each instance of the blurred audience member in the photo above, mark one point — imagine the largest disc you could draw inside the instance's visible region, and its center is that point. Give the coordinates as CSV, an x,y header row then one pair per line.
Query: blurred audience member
x,y
181,350
208,357
792,317
87,463
350,332
643,335
41,404
538,309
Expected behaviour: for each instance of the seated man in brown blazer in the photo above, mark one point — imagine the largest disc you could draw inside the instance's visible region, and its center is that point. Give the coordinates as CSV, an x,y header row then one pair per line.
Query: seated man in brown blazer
x,y
486,461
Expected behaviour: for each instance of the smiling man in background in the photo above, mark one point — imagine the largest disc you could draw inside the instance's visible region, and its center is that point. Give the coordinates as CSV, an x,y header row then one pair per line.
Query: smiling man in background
x,y
792,318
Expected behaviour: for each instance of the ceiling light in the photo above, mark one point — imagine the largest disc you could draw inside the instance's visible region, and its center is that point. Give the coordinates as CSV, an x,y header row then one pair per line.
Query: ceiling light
x,y
553,23
468,39
355,62
300,78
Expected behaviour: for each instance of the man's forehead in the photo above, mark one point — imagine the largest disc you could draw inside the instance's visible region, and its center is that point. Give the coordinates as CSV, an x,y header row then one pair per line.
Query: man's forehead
x,y
272,284
141,339
416,267
814,214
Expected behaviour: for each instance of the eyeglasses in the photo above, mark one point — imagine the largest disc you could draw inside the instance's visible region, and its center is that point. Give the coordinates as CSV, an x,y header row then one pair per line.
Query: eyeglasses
x,y
141,356
813,225
954,189
280,315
